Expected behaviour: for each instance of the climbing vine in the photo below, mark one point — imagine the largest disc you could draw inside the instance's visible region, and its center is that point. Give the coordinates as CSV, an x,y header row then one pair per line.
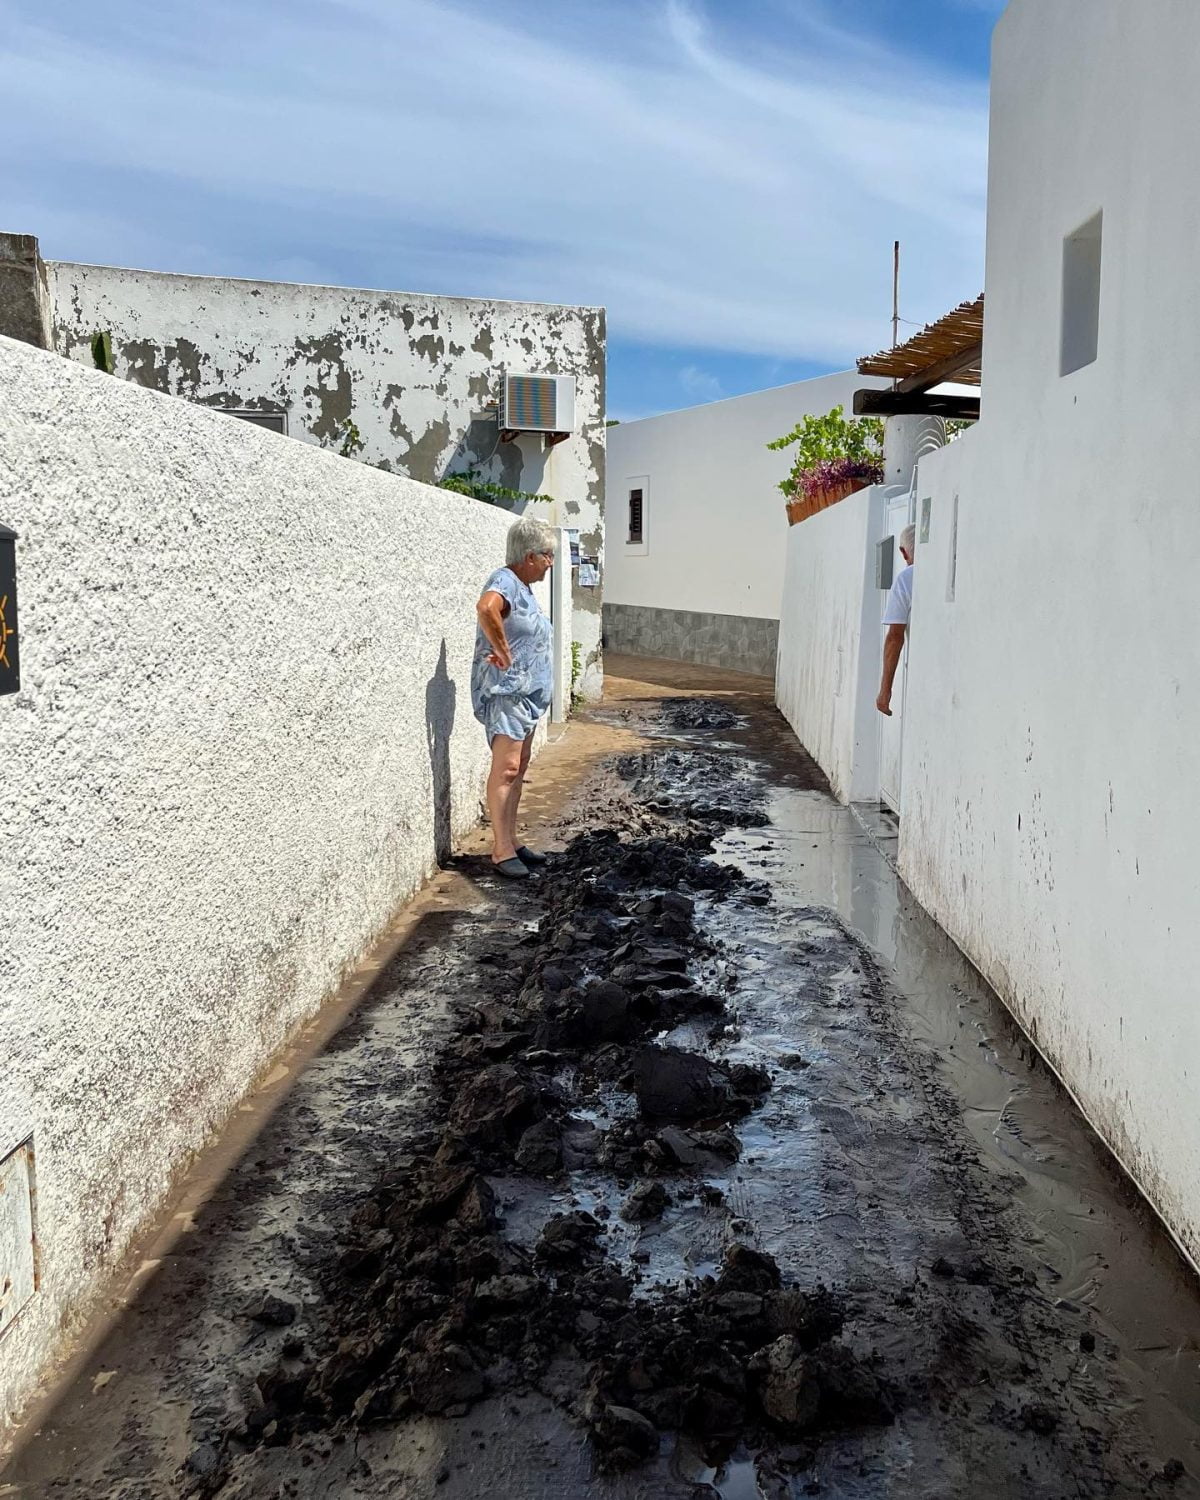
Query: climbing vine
x,y
352,441
576,673
469,483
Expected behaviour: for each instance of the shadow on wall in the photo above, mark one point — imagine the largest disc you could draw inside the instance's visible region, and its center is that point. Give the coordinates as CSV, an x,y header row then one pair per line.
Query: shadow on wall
x,y
441,698
518,465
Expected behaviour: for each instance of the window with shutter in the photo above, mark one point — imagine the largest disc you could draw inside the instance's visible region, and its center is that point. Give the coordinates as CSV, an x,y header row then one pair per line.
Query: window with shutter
x,y
635,517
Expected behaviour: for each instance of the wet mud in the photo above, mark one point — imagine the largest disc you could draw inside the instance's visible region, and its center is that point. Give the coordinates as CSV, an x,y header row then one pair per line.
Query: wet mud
x,y
647,1179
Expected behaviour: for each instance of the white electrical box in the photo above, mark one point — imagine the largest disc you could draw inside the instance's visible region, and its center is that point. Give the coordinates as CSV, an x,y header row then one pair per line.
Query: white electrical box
x,y
537,403
18,1243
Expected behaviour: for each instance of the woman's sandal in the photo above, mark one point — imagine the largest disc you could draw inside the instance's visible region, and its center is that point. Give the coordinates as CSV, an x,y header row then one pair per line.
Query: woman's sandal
x,y
511,868
530,856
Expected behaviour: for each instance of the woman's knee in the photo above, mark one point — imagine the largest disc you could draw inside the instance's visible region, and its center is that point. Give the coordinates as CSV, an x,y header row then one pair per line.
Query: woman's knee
x,y
506,761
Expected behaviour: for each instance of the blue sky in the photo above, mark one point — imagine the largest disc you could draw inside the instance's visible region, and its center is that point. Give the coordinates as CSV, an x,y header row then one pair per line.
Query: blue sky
x,y
726,178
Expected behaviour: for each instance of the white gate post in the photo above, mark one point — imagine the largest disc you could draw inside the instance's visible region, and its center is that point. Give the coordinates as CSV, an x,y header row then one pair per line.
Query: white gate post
x,y
561,618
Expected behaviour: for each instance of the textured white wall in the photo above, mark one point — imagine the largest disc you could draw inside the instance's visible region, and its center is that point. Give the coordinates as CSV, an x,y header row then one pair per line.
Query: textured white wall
x,y
715,519
827,669
414,372
1053,708
245,717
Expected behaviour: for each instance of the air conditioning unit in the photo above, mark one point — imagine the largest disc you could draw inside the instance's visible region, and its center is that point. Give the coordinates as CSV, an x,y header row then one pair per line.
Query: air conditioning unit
x,y
537,403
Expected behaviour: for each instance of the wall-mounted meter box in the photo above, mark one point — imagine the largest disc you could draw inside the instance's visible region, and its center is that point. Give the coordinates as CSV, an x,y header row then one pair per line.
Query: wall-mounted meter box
x,y
885,562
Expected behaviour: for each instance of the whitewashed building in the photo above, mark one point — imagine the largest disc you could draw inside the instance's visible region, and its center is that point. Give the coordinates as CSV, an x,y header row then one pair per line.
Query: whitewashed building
x,y
697,526
1051,712
1053,705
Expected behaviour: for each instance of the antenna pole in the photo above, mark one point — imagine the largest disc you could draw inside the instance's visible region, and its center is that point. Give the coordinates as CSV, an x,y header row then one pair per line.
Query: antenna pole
x,y
895,293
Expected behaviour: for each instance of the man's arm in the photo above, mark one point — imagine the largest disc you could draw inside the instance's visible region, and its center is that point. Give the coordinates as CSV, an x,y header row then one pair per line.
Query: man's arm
x,y
893,645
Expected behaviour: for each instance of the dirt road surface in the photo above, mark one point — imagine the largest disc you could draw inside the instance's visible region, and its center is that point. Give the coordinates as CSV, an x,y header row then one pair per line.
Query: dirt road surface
x,y
701,1165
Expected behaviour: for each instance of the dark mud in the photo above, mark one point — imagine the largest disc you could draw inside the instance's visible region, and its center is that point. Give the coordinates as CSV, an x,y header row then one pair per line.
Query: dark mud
x,y
660,1197
430,1306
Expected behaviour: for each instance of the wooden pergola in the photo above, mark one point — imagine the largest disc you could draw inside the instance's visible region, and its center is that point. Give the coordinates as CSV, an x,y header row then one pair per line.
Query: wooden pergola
x,y
950,349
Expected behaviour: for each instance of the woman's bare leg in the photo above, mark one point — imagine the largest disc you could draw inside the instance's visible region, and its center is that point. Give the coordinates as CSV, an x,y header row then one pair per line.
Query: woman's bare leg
x,y
514,801
505,778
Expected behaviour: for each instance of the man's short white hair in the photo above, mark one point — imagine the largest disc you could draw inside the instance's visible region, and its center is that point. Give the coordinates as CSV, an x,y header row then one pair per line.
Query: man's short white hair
x,y
527,534
908,538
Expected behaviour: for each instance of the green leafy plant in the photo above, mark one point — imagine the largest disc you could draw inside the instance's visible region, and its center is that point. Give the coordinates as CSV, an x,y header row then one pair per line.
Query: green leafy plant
x,y
853,444
576,673
613,422
352,441
469,483
102,355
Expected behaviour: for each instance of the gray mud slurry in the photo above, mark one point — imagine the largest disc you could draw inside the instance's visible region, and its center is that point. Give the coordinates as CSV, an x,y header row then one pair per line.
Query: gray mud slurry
x,y
973,1301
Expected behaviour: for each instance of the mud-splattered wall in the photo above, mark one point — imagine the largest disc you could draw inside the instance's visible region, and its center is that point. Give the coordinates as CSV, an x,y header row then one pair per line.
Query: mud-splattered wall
x,y
1052,707
415,374
243,737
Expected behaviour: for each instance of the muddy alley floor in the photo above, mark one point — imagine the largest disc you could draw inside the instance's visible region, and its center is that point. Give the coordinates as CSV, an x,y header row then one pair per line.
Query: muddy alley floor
x,y
701,1165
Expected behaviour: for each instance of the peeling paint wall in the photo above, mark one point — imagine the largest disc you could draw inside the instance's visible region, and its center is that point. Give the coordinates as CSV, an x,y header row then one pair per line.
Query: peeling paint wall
x,y
244,729
414,373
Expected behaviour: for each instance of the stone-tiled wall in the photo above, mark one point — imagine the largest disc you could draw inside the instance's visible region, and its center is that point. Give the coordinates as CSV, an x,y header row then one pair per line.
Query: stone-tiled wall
x,y
740,643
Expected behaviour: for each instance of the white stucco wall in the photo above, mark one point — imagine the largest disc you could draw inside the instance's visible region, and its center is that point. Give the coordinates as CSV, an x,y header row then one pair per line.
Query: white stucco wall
x,y
1053,708
716,526
415,373
244,722
827,669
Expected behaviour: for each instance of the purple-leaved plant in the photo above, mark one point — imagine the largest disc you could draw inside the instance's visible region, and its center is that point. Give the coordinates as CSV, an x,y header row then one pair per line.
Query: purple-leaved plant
x,y
835,474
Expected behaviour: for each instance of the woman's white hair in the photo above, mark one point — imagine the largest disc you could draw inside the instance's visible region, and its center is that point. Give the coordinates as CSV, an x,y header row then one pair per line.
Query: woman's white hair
x,y
908,538
527,534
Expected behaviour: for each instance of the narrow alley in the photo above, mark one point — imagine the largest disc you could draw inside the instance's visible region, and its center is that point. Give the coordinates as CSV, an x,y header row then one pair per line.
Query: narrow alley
x,y
703,1166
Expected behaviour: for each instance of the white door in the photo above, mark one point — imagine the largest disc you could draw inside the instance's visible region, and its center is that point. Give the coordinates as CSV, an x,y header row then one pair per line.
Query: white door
x,y
891,731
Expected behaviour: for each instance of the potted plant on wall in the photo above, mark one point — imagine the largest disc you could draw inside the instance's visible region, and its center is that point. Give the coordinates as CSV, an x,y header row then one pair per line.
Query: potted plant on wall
x,y
835,456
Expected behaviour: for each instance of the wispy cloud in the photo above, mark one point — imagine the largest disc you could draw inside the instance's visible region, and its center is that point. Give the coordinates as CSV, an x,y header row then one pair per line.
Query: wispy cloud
x,y
715,188
700,385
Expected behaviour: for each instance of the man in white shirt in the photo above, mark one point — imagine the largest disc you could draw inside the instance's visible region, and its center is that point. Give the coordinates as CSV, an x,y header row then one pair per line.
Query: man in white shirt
x,y
896,617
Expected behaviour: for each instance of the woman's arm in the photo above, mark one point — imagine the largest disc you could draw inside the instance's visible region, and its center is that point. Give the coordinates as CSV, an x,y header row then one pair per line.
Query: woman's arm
x,y
491,610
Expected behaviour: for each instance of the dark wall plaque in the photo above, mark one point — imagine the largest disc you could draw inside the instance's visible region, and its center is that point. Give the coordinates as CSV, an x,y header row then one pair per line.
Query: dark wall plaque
x,y
10,661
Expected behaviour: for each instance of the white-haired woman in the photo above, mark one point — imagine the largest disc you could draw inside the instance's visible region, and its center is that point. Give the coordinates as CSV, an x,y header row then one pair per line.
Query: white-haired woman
x,y
512,681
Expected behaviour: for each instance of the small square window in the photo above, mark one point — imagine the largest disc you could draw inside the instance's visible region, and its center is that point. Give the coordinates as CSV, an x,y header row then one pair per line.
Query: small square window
x,y
1081,296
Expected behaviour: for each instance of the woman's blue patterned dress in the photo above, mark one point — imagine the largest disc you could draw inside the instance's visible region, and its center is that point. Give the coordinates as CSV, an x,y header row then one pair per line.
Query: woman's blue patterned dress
x,y
512,702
